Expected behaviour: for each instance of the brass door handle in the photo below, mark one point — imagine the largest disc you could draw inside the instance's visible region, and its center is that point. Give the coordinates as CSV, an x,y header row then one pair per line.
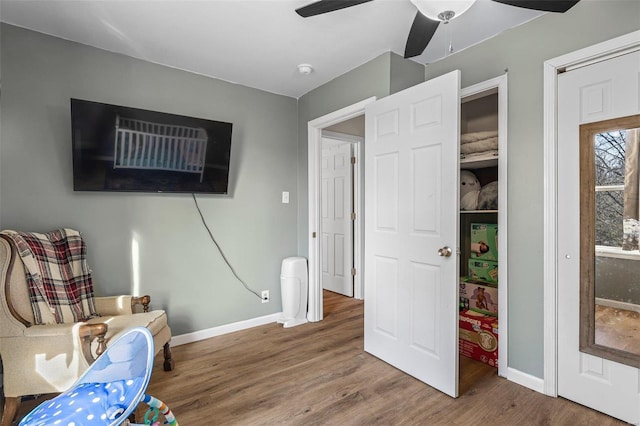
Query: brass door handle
x,y
445,251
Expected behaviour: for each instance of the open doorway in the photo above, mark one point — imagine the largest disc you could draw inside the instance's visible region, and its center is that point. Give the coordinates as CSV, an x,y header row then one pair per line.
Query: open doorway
x,y
341,188
334,124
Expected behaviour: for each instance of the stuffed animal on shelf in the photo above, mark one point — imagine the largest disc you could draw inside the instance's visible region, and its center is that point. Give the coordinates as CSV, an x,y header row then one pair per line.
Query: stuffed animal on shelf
x,y
469,190
488,197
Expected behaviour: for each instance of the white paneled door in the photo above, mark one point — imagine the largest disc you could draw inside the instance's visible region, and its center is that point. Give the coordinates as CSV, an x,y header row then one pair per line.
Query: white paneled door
x,y
593,93
337,226
411,231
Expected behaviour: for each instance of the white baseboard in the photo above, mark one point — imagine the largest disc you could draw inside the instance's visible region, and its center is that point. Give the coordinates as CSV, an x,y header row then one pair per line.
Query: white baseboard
x,y
617,304
526,380
183,339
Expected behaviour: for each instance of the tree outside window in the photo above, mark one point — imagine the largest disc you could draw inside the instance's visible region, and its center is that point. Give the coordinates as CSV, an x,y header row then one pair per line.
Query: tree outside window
x,y
617,180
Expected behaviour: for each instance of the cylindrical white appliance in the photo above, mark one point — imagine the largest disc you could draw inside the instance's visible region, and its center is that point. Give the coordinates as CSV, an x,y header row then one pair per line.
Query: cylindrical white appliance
x,y
294,284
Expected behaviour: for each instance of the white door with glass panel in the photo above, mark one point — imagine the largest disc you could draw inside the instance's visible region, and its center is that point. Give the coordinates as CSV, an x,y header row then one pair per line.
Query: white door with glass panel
x,y
337,223
599,261
411,231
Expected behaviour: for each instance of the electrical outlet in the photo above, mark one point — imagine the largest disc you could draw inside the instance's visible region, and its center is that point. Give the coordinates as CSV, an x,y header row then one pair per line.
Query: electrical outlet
x,y
265,296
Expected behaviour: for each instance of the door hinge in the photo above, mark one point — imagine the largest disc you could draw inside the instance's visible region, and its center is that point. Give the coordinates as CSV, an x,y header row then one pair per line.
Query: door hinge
x,y
353,272
313,234
353,160
353,215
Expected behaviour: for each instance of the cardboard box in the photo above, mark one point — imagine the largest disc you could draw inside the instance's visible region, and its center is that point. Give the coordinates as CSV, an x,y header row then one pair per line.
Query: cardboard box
x,y
483,271
478,337
484,241
478,297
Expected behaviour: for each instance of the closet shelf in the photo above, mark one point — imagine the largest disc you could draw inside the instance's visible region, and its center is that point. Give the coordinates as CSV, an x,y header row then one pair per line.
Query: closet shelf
x,y
478,163
477,211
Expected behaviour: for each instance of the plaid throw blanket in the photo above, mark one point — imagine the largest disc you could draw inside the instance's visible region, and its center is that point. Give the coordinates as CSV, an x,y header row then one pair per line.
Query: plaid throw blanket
x,y
59,279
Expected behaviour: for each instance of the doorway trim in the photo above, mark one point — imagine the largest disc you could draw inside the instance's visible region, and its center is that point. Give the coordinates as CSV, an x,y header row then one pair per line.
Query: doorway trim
x,y
552,67
314,133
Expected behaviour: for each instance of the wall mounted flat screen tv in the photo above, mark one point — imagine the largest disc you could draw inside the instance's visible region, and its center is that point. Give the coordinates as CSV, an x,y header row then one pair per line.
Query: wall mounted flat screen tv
x,y
117,148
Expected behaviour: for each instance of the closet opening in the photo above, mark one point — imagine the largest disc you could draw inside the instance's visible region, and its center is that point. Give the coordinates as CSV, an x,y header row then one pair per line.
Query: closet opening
x,y
482,222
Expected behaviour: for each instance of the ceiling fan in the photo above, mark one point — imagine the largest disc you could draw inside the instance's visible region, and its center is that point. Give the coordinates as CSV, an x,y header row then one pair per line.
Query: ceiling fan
x,y
431,13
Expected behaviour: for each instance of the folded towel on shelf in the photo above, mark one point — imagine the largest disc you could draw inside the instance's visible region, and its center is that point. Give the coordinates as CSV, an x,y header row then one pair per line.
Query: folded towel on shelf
x,y
479,146
483,155
477,136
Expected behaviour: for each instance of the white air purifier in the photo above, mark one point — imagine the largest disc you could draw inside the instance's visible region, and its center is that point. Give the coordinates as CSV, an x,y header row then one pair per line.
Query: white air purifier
x,y
294,285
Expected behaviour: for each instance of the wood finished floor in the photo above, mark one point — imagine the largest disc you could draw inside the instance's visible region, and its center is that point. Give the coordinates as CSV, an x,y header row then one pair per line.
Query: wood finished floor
x,y
319,374
618,328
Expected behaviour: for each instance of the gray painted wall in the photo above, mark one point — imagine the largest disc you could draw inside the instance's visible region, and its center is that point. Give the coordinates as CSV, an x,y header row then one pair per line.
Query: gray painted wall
x,y
404,73
178,265
379,77
353,126
523,51
617,279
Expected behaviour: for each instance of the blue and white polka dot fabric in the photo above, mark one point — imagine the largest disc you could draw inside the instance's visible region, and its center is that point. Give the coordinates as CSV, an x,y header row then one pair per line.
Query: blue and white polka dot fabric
x,y
87,404
109,390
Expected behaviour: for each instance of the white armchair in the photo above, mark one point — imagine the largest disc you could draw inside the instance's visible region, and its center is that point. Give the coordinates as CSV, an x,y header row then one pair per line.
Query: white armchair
x,y
40,359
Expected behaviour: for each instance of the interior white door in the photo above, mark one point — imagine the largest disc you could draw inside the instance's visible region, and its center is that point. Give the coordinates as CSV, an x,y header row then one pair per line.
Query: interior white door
x,y
411,206
596,92
337,226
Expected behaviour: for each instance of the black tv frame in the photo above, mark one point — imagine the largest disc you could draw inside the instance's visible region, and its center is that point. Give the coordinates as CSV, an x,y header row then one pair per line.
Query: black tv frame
x,y
98,165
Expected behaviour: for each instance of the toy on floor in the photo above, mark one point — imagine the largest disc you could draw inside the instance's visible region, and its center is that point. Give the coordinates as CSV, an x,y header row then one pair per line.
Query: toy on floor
x,y
109,391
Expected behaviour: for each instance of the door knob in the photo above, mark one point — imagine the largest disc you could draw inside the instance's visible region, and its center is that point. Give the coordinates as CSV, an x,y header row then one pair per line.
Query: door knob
x,y
445,251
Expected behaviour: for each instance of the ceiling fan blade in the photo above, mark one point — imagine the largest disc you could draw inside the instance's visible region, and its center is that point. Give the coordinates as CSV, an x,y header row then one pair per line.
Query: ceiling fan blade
x,y
420,35
544,5
324,6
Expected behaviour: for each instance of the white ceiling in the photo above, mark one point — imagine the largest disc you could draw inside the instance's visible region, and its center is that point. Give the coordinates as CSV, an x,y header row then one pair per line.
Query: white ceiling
x,y
256,43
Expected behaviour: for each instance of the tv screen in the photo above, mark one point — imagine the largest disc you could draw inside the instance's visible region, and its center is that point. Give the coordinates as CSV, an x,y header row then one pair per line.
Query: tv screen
x,y
117,148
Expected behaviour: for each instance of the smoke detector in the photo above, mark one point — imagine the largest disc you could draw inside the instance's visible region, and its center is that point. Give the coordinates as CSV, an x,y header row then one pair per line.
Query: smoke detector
x,y
305,69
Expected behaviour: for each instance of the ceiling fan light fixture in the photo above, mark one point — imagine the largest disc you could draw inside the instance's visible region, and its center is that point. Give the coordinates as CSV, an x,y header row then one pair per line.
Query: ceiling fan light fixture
x,y
442,10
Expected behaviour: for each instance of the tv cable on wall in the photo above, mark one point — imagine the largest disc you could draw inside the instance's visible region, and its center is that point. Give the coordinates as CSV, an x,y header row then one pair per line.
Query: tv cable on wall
x,y
204,222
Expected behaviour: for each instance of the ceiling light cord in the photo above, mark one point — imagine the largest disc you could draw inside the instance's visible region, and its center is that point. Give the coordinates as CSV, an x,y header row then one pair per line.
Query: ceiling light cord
x,y
204,222
450,48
